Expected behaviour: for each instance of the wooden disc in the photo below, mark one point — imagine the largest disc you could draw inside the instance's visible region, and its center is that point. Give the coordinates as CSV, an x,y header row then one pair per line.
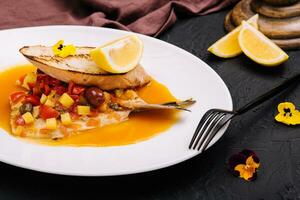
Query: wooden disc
x,y
288,43
280,2
282,43
229,26
265,9
272,27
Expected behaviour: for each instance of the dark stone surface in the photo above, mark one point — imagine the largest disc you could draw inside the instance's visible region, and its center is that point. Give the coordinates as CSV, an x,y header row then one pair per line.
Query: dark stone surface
x,y
205,176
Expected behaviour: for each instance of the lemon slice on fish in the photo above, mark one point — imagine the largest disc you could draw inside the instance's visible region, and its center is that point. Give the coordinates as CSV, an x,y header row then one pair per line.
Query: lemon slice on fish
x,y
119,56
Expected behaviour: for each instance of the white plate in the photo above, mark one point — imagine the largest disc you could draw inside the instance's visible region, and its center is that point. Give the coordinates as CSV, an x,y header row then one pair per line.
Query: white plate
x,y
184,74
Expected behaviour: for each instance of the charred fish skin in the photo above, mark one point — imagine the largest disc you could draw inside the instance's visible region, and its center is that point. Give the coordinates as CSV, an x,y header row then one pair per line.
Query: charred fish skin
x,y
82,70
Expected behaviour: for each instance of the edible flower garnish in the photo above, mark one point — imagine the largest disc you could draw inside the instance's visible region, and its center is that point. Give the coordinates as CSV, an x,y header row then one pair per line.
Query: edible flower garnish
x,y
61,50
244,165
288,114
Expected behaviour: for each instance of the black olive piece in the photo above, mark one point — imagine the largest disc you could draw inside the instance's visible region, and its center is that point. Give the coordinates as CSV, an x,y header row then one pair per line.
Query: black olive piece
x,y
94,96
26,107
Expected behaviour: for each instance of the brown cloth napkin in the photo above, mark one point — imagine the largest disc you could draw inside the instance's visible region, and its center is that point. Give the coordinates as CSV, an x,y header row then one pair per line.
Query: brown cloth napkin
x,y
149,17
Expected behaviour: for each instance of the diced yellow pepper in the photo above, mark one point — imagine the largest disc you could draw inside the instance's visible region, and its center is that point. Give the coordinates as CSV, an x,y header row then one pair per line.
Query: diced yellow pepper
x,y
36,111
52,93
19,130
43,99
51,124
66,100
50,103
66,119
28,118
83,110
29,78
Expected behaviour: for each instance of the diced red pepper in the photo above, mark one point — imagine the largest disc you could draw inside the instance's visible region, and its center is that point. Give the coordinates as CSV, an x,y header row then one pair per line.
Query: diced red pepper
x,y
14,97
60,89
36,90
77,89
75,97
74,116
70,87
33,99
47,112
41,77
20,121
31,85
73,108
47,89
53,82
21,79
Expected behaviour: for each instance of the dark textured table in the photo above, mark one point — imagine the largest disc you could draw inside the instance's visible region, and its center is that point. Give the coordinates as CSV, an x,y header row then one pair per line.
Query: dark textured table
x,y
205,176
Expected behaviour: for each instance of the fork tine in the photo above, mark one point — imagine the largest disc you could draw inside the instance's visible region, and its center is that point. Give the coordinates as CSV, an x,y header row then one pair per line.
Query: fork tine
x,y
208,120
210,127
203,119
216,129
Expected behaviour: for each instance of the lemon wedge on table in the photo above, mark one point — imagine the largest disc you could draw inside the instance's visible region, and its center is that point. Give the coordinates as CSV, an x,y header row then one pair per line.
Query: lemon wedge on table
x,y
119,56
228,46
259,48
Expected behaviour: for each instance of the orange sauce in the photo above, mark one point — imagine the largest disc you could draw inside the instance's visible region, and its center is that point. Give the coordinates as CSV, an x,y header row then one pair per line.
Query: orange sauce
x,y
140,126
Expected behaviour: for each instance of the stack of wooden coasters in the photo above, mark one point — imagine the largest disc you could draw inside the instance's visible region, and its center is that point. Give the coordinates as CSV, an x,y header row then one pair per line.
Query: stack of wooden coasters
x,y
278,19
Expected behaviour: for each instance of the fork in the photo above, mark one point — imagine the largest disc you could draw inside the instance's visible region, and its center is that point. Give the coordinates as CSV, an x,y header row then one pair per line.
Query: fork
x,y
214,119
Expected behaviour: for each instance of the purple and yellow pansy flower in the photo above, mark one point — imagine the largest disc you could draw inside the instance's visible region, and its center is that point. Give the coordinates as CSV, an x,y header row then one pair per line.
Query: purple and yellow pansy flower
x,y
244,165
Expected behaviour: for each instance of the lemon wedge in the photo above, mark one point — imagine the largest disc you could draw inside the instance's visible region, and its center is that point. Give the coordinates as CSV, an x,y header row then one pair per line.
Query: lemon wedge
x,y
259,48
228,46
119,56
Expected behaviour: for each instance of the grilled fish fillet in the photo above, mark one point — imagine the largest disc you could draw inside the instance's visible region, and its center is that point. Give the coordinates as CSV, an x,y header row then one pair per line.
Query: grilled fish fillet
x,y
81,69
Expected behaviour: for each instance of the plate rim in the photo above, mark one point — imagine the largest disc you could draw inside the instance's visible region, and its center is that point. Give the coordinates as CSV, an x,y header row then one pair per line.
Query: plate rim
x,y
142,170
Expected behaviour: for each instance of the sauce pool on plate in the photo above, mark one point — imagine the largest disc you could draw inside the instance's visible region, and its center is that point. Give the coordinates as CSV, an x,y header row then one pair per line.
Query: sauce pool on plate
x,y
140,126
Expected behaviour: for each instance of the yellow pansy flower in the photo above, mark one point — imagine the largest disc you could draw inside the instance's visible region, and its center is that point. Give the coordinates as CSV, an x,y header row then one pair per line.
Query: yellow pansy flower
x,y
247,170
61,50
288,114
244,164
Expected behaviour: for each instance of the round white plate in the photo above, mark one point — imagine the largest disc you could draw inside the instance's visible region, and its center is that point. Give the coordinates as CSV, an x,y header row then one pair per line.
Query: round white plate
x,y
184,74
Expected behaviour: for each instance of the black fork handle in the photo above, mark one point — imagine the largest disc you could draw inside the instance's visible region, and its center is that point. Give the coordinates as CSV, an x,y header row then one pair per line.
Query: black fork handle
x,y
257,101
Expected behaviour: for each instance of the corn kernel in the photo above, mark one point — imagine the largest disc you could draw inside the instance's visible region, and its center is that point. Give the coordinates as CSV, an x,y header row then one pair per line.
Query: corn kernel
x,y
43,99
49,103
51,124
66,119
28,118
83,110
36,111
66,100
